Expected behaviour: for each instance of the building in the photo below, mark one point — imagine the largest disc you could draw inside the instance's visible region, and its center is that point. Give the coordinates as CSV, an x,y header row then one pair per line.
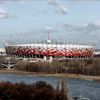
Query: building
x,y
50,50
2,51
97,53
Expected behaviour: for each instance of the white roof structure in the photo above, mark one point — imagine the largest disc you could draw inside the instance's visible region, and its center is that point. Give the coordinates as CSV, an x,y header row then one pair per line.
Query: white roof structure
x,y
58,46
2,50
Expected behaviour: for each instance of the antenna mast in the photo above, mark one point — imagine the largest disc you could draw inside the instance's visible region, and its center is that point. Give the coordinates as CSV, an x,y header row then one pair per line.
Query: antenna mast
x,y
49,35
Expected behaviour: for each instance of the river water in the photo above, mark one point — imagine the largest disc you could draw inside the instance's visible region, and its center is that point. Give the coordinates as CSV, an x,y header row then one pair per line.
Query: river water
x,y
85,88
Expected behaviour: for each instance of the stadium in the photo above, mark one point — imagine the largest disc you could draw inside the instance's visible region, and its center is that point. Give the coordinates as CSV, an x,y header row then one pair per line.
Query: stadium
x,y
49,49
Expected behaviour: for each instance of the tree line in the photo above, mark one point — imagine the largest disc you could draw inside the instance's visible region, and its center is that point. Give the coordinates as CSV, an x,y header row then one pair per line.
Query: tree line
x,y
74,66
71,66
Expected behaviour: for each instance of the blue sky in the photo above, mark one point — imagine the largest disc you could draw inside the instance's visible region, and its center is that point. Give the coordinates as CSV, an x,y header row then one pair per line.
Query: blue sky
x,y
68,20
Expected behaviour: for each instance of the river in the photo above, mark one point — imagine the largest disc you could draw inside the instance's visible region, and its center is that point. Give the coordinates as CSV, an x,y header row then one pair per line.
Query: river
x,y
85,88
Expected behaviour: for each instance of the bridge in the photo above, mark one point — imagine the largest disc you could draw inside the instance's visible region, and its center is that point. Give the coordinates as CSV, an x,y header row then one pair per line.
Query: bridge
x,y
7,65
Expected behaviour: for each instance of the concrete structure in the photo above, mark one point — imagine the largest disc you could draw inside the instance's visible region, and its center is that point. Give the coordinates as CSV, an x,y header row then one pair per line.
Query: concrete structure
x,y
2,51
50,50
97,53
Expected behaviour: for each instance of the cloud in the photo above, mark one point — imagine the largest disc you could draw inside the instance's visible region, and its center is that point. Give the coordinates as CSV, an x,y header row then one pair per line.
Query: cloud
x,y
62,9
59,8
22,1
18,1
92,28
48,28
95,25
2,1
53,2
86,28
3,13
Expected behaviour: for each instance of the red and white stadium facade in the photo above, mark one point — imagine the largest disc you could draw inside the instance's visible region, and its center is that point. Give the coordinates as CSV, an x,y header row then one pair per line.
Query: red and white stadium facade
x,y
68,50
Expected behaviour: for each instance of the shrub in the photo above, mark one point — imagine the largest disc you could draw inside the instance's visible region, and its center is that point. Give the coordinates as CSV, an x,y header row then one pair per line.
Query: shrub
x,y
21,91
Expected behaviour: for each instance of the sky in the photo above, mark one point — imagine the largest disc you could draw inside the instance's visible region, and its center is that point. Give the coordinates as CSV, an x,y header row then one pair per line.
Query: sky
x,y
66,20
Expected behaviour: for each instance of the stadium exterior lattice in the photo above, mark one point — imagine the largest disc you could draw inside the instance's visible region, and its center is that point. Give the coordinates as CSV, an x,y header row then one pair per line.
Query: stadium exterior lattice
x,y
48,49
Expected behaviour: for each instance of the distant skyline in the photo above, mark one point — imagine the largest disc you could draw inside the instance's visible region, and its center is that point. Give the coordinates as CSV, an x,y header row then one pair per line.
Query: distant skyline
x,y
68,20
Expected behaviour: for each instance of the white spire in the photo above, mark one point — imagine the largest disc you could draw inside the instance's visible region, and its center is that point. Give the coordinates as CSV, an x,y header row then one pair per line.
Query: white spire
x,y
49,29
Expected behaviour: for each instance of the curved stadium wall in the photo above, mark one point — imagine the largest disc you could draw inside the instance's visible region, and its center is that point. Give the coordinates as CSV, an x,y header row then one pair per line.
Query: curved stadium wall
x,y
50,49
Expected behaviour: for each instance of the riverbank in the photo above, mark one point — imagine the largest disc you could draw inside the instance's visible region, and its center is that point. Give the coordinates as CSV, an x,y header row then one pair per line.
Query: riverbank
x,y
75,76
